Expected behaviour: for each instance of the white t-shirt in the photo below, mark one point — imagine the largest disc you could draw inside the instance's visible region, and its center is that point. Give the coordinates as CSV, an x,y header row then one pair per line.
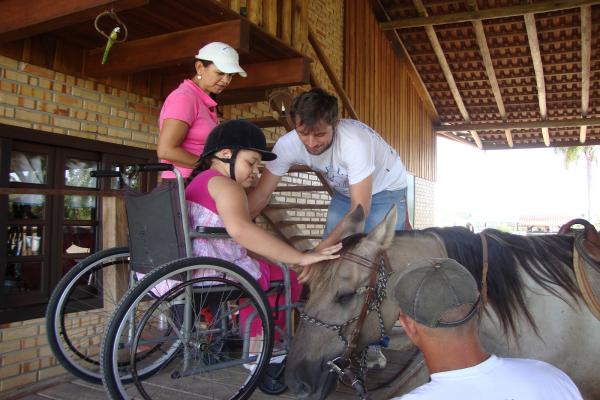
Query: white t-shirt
x,y
499,379
357,151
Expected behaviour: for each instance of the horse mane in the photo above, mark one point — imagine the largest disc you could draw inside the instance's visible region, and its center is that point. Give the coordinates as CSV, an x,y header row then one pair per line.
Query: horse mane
x,y
546,259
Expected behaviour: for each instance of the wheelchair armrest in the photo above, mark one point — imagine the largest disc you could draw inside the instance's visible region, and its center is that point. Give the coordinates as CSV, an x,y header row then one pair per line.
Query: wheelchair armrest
x,y
210,231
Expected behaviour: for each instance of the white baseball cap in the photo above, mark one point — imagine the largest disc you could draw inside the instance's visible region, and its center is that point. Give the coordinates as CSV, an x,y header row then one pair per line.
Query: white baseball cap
x,y
225,58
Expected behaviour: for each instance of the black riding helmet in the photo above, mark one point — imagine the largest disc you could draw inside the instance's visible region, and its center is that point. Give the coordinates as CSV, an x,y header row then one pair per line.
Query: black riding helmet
x,y
236,135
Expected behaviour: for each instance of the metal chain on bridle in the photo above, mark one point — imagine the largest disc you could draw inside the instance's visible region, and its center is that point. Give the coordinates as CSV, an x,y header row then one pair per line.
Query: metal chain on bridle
x,y
375,295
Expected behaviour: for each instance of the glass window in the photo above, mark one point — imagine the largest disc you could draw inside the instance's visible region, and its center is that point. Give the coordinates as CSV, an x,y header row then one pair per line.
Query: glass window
x,y
116,183
28,167
80,208
26,206
23,277
24,240
77,173
79,239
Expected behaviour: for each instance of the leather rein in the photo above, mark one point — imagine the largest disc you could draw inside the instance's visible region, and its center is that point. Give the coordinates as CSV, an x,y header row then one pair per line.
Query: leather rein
x,y
375,294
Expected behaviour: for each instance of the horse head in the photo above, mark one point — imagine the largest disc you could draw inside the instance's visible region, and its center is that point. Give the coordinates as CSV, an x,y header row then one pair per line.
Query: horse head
x,y
338,290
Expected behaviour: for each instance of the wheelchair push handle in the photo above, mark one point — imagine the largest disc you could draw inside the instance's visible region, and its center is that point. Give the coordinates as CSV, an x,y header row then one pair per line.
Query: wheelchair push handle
x,y
132,169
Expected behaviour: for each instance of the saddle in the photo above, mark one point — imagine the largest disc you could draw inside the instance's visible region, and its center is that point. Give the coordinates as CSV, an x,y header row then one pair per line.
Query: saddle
x,y
586,262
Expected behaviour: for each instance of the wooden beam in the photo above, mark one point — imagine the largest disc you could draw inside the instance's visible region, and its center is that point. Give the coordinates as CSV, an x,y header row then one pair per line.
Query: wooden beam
x,y
491,73
492,13
339,88
564,143
538,68
167,49
586,55
241,96
261,76
509,139
271,74
23,18
267,122
519,125
439,53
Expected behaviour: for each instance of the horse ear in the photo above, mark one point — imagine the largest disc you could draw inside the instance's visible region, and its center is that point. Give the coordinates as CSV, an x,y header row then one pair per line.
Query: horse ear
x,y
355,223
384,232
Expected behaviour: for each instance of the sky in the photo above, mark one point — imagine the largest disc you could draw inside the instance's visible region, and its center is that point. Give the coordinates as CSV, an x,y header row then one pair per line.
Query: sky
x,y
503,185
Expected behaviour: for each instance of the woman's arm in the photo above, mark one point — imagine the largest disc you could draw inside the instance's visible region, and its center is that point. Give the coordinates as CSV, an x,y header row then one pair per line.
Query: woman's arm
x,y
232,206
169,148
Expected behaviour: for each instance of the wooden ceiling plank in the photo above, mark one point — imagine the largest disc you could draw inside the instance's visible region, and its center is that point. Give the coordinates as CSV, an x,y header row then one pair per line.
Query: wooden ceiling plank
x,y
24,18
439,53
165,50
519,125
492,13
398,46
586,55
538,68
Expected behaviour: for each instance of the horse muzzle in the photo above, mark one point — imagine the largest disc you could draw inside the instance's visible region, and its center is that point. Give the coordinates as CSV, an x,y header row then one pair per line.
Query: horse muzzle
x,y
310,380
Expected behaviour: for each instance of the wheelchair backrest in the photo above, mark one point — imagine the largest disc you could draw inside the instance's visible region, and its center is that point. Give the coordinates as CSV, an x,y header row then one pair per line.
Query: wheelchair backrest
x,y
155,220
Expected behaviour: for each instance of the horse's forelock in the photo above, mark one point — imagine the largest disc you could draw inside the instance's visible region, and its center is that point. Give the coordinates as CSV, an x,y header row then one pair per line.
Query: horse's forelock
x,y
324,274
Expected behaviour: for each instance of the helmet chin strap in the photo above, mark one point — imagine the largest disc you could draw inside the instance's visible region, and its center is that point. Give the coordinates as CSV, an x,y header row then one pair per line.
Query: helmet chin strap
x,y
231,162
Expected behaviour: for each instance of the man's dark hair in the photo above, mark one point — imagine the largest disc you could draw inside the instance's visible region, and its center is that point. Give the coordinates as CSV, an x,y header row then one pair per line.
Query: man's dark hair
x,y
313,106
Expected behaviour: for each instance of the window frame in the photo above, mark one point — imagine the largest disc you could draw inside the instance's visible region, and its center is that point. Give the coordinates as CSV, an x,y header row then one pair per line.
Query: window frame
x,y
20,307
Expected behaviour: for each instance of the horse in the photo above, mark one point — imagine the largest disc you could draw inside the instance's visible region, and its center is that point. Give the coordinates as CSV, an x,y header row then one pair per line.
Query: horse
x,y
534,307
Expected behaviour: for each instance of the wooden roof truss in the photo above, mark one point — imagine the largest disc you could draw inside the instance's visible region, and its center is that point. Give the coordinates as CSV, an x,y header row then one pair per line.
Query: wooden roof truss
x,y
505,73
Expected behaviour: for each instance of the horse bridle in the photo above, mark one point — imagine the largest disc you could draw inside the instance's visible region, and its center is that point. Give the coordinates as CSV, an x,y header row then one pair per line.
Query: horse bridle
x,y
375,294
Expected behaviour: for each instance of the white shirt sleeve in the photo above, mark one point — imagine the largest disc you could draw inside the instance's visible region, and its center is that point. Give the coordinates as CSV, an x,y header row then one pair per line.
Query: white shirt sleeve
x,y
358,148
287,155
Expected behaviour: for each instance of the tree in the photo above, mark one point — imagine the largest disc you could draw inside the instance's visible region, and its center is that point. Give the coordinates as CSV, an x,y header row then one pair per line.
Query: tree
x,y
574,154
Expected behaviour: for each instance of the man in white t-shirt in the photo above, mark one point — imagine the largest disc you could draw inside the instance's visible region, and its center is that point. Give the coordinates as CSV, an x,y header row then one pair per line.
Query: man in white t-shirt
x,y
440,307
358,164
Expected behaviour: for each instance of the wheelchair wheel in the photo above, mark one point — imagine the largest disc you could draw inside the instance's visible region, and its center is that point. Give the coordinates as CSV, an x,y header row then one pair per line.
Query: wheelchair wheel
x,y
79,309
195,309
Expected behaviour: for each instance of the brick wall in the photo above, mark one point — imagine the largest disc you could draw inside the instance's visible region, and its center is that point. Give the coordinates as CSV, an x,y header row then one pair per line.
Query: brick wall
x,y
424,198
25,357
39,98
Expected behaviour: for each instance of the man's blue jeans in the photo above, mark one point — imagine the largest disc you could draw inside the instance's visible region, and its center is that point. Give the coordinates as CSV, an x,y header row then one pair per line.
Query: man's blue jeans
x,y
380,205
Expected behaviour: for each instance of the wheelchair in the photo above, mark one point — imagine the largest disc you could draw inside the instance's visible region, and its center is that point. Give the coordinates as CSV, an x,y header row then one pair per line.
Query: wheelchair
x,y
178,329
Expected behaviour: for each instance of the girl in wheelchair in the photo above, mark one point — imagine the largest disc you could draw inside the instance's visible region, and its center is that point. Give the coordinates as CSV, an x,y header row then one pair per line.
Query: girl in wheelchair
x,y
216,198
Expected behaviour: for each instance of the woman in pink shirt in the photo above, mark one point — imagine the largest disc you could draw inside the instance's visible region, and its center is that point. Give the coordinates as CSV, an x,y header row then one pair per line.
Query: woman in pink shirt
x,y
189,113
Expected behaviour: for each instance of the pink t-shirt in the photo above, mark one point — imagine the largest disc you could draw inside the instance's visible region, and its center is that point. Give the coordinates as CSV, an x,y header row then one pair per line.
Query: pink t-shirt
x,y
190,104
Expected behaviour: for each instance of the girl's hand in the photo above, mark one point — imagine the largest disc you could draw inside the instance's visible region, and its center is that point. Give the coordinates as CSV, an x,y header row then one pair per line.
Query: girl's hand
x,y
314,257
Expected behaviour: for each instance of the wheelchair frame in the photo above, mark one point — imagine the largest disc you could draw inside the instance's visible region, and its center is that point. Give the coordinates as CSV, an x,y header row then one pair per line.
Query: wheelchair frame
x,y
58,307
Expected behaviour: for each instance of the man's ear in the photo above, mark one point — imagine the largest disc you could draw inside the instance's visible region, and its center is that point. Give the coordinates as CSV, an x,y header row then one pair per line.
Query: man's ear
x,y
409,326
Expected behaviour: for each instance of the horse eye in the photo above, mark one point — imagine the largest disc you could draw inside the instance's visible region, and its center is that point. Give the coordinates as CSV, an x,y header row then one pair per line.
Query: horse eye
x,y
345,298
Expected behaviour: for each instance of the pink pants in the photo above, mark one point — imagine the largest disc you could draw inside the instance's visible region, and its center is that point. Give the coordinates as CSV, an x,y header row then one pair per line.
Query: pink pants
x,y
269,273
